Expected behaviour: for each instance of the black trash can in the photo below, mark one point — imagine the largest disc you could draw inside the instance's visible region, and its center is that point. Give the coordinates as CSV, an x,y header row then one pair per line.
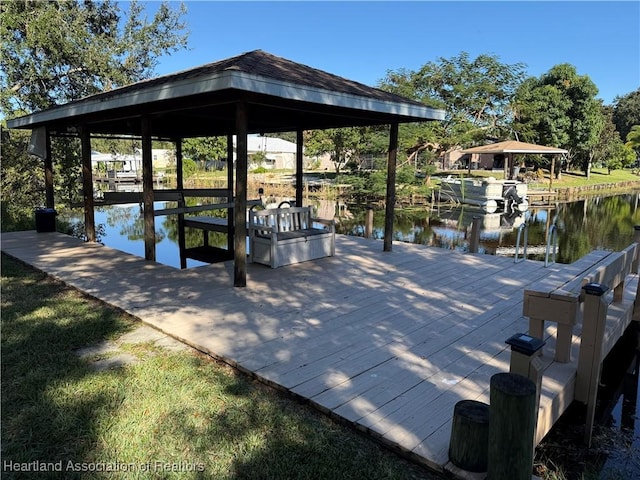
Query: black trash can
x,y
46,219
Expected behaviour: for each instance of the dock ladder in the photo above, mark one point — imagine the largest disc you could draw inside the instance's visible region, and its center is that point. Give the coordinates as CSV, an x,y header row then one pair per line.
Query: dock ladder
x,y
552,239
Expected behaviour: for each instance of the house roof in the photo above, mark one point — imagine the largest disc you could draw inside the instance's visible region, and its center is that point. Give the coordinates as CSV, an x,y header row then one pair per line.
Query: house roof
x,y
281,95
512,146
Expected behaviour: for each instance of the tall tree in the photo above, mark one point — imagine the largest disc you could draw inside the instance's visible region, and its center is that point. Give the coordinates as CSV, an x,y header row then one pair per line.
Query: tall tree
x,y
342,144
626,112
560,109
633,141
475,94
610,151
58,51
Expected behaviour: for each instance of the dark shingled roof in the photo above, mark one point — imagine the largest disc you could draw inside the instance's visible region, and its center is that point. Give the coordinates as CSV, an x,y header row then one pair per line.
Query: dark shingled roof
x,y
264,64
283,96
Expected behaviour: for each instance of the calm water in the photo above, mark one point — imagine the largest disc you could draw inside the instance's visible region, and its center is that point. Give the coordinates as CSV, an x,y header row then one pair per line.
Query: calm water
x,y
581,226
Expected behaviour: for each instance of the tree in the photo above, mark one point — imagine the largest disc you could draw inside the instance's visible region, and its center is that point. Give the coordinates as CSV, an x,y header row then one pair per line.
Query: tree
x,y
341,144
560,109
626,112
610,151
475,94
58,51
633,138
202,149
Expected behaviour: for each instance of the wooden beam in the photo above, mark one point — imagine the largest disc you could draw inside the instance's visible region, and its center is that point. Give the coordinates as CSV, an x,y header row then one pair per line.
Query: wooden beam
x,y
299,167
147,191
48,171
391,187
240,225
87,185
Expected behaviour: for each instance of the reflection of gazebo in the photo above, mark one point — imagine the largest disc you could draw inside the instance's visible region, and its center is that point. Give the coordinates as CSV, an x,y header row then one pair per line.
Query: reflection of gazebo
x,y
511,147
252,93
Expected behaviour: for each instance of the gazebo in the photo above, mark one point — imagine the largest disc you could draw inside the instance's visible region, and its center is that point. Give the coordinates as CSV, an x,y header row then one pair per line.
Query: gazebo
x,y
255,92
511,147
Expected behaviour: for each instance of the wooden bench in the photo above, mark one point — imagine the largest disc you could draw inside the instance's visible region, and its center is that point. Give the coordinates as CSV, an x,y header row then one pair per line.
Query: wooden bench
x,y
283,236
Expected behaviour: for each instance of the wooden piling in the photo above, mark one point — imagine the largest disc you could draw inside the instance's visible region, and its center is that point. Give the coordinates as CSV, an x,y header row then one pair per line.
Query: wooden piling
x,y
474,241
512,420
470,436
368,225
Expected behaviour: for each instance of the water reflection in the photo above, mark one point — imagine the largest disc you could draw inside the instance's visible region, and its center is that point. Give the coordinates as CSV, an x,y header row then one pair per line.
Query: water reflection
x,y
584,225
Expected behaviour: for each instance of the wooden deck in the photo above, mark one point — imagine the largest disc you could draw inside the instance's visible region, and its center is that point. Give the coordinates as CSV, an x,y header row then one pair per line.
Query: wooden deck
x,y
387,341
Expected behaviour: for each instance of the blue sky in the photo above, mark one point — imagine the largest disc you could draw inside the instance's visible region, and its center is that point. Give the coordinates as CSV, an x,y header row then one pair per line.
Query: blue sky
x,y
363,40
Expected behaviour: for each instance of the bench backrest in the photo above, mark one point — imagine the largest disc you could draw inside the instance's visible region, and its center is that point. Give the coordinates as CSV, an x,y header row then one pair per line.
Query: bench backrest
x,y
282,219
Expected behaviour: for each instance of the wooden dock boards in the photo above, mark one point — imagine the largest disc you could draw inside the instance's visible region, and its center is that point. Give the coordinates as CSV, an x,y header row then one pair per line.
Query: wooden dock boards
x,y
388,341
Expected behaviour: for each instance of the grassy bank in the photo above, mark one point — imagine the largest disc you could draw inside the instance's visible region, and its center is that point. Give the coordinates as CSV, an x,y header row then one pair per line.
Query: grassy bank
x,y
166,415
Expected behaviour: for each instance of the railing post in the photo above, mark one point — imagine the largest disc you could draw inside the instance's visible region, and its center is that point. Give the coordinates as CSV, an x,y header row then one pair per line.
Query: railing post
x,y
526,361
590,357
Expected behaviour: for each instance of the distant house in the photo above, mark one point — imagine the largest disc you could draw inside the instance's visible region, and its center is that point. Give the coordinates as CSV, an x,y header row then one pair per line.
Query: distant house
x,y
162,157
276,153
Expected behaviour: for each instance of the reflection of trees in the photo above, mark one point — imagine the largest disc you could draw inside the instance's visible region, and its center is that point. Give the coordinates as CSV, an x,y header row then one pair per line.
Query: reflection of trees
x,y
193,237
131,222
598,222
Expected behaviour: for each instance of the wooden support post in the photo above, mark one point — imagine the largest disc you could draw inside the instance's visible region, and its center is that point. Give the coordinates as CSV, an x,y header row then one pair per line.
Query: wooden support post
x,y
230,230
147,191
87,185
470,436
48,171
590,359
299,167
240,213
368,225
182,243
636,302
391,188
179,158
512,420
474,239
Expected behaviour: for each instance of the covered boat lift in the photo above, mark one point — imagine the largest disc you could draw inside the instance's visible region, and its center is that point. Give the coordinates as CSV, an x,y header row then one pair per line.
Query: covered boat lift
x,y
255,92
511,147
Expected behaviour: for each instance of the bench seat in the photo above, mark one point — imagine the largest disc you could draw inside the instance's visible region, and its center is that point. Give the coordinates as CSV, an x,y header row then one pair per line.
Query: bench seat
x,y
284,236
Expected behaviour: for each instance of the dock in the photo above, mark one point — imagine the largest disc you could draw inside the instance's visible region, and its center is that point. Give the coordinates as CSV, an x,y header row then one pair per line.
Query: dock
x,y
387,342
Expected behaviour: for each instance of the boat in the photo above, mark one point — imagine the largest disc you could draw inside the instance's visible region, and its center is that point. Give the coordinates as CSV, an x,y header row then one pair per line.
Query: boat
x,y
489,193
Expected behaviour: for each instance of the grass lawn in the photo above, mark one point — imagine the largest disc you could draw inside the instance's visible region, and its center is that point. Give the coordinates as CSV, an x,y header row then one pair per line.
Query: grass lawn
x,y
167,415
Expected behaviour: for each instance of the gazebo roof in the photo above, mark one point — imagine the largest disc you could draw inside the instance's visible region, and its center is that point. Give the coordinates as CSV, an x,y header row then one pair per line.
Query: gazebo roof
x,y
512,146
281,96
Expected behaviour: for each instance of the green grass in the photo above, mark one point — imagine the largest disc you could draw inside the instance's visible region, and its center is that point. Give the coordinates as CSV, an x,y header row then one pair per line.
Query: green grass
x,y
182,410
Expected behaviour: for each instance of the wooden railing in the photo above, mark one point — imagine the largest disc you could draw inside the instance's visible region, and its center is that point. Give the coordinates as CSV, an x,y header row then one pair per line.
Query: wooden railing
x,y
596,297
